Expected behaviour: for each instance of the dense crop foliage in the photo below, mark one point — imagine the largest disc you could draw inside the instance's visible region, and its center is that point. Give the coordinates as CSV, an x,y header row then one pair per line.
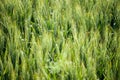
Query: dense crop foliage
x,y
59,39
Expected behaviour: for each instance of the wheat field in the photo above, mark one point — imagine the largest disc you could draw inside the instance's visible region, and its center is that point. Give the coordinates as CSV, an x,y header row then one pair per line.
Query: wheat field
x,y
59,39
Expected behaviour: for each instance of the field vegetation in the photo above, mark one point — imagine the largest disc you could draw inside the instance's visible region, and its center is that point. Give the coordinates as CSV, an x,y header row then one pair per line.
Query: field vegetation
x,y
59,39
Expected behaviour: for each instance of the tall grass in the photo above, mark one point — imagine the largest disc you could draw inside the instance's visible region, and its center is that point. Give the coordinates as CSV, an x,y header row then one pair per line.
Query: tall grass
x,y
59,40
